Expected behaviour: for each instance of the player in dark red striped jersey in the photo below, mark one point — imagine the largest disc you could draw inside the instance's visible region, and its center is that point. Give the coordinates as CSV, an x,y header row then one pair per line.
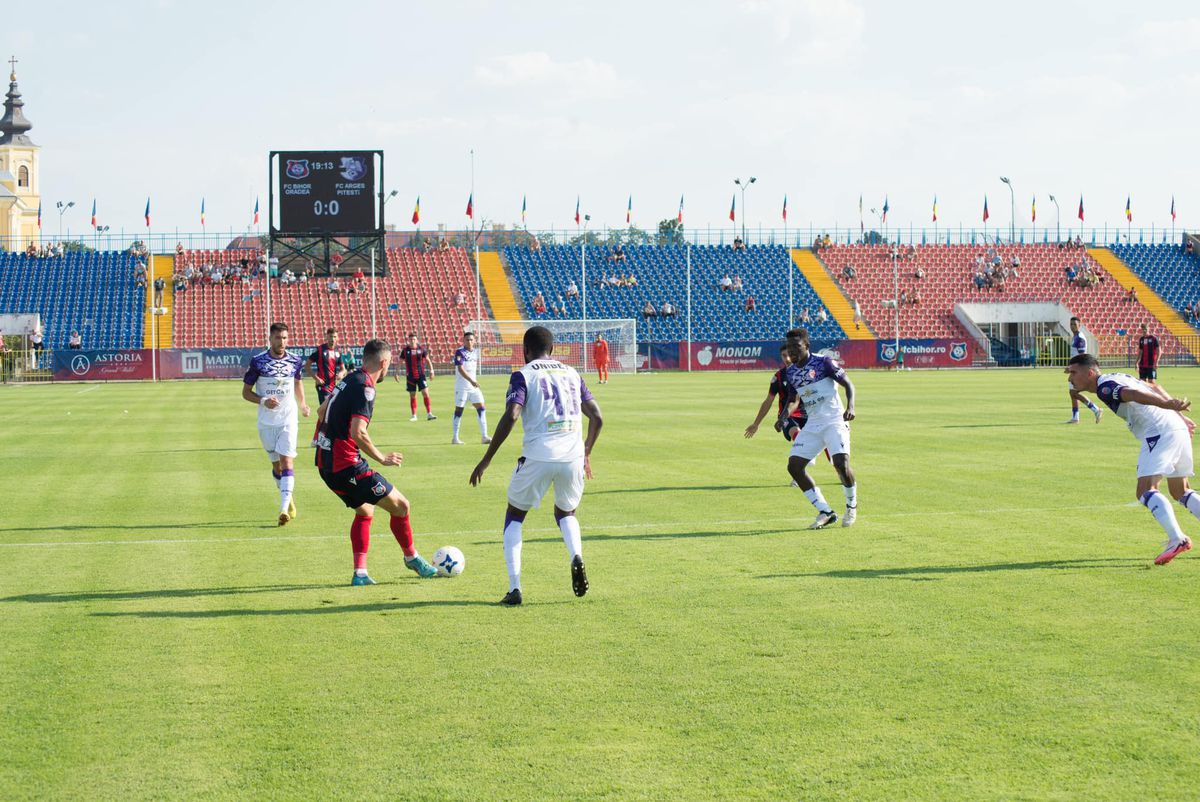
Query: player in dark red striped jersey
x,y
343,420
418,372
779,390
328,365
1148,356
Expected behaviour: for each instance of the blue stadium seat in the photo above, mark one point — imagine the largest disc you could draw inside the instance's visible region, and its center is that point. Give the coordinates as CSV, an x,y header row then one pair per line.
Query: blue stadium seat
x,y
1173,274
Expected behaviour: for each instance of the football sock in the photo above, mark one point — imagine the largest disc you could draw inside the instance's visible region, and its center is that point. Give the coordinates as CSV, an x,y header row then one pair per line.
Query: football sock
x,y
1090,405
412,402
815,498
402,529
569,526
428,408
1161,509
482,421
454,424
851,495
360,541
287,483
512,551
277,475
1191,502
1074,413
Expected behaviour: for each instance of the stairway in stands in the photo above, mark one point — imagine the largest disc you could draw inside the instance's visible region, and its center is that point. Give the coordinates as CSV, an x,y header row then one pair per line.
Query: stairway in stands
x,y
830,293
499,292
159,266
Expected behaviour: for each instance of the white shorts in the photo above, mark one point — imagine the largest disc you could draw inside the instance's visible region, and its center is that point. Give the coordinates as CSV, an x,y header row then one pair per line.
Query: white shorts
x,y
811,442
1169,455
466,394
530,481
279,441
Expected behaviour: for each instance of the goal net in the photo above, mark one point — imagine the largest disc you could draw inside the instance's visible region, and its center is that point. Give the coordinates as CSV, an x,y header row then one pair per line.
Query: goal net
x,y
499,343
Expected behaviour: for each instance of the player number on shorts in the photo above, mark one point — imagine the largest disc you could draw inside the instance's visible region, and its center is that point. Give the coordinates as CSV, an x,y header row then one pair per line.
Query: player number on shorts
x,y
551,392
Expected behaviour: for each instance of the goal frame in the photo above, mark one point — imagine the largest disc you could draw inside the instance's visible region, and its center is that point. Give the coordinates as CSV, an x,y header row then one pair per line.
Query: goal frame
x,y
626,361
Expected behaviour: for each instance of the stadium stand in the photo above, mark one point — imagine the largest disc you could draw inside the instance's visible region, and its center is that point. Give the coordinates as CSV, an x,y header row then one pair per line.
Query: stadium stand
x,y
94,293
948,278
660,273
417,295
1169,271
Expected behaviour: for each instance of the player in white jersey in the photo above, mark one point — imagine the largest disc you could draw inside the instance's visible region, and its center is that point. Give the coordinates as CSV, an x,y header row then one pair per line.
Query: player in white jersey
x,y
551,400
1079,346
814,379
275,382
466,389
1156,420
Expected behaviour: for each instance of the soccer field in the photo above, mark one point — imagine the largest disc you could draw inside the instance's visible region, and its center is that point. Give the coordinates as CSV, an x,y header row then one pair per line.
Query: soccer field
x,y
991,628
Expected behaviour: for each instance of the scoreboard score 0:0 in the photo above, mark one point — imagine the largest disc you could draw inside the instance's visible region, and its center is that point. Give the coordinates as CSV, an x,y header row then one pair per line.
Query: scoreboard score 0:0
x,y
327,192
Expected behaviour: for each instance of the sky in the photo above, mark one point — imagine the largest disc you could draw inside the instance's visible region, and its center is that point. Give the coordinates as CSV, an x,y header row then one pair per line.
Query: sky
x,y
820,100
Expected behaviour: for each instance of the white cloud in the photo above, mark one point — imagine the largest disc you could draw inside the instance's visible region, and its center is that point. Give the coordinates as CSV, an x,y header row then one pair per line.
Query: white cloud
x,y
819,29
1179,35
585,78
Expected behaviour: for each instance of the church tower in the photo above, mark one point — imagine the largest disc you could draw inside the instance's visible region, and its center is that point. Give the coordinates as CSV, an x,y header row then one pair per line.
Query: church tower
x,y
20,190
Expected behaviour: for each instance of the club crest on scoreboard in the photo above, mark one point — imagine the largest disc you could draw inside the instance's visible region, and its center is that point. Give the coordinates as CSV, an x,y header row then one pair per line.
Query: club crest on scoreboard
x,y
297,168
353,167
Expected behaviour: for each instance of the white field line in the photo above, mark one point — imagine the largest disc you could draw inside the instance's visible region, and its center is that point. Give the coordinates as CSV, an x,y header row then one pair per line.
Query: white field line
x,y
588,526
89,389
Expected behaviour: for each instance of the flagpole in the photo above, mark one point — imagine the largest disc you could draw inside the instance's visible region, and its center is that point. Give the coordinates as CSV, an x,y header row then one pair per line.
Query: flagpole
x,y
689,307
583,269
478,291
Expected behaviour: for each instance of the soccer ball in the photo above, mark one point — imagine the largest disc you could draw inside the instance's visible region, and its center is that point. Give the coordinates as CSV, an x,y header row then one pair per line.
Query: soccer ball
x,y
449,561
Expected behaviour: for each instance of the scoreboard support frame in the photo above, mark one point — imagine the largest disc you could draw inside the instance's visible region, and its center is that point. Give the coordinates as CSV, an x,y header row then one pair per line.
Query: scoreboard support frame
x,y
355,246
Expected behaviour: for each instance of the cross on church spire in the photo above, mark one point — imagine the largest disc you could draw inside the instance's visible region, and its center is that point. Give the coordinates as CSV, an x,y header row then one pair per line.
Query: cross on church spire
x,y
12,62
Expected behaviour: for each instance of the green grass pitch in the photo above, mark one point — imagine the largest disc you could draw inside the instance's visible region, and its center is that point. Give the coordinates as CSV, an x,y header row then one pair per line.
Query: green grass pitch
x,y
991,629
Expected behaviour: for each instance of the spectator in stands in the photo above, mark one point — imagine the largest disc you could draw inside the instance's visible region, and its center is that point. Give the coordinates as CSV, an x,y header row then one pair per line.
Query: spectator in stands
x,y
805,317
648,310
668,309
618,254
614,281
751,304
287,278
539,304
848,272
336,260
561,308
31,251
572,289
333,286
903,297
535,244
160,286
179,249
189,273
443,246
737,283
894,252
822,315
1189,248
915,298
999,278
1131,297
139,269
919,273
631,280
180,284
738,244
726,284
141,280
303,277
981,280
858,315
74,341
1072,272
827,242
35,340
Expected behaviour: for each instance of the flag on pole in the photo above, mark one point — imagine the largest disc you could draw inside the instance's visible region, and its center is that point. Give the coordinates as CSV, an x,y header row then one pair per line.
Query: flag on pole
x,y
255,210
202,212
785,208
985,209
629,211
147,212
860,214
1081,208
679,217
1128,210
733,209
471,206
576,210
885,208
416,217
522,210
39,214
935,208
1033,210
1172,208
94,212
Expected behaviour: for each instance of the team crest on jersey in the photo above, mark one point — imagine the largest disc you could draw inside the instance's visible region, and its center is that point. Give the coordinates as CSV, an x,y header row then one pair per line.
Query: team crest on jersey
x,y
378,489
297,168
812,374
369,393
958,351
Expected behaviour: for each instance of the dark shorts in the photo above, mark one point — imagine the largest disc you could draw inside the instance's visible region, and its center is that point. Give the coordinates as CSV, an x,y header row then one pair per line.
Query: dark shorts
x,y
323,393
1148,374
412,385
791,427
356,489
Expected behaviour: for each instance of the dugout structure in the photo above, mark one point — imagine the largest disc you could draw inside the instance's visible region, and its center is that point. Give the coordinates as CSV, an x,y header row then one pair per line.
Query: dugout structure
x,y
500,351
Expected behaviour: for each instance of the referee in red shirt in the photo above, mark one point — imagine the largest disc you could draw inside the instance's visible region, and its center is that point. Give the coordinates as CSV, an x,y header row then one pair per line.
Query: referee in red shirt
x,y
1148,356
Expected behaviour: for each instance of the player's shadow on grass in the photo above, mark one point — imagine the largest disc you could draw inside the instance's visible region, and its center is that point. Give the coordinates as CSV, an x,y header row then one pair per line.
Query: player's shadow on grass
x,y
690,488
928,573
330,609
161,593
668,535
